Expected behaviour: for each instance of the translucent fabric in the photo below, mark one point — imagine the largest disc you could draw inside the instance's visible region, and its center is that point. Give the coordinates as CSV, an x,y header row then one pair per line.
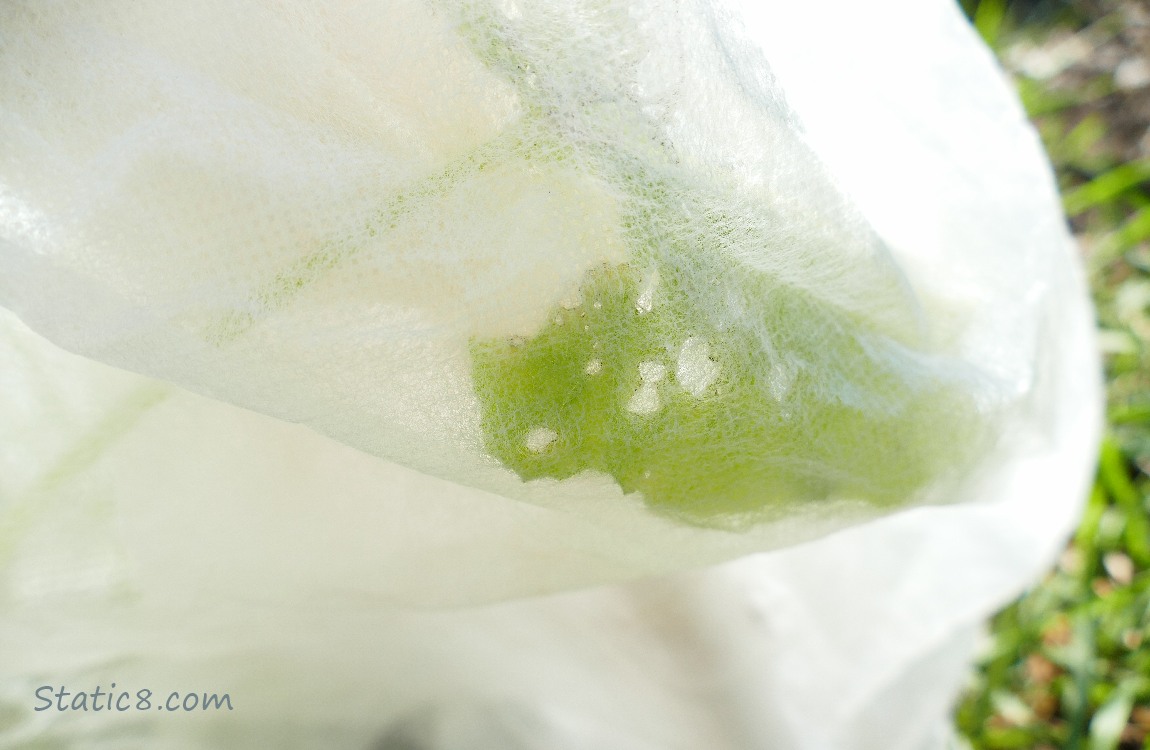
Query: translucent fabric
x,y
391,322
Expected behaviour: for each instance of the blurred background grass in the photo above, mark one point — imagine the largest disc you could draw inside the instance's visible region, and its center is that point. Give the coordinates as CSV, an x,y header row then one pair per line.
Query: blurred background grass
x,y
1068,664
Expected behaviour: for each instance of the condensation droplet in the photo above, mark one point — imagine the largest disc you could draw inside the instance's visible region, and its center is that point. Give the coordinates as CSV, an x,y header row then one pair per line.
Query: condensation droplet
x,y
540,439
645,400
652,372
646,301
695,370
779,381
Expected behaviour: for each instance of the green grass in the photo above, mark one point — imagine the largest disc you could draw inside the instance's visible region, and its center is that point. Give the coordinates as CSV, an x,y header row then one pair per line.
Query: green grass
x,y
1069,663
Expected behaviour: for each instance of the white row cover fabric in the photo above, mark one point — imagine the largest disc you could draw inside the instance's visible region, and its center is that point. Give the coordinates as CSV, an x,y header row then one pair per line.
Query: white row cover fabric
x,y
421,355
